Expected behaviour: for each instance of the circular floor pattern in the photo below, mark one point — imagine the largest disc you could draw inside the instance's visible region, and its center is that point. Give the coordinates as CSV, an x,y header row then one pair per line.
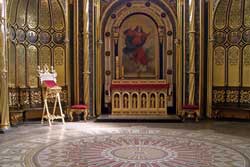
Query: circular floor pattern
x,y
139,150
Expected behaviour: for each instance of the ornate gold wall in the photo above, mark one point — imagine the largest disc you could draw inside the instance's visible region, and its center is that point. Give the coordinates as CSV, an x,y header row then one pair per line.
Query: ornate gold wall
x,y
231,54
36,37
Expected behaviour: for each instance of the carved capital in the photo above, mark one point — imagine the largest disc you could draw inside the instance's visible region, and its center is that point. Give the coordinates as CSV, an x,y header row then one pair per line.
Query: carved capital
x,y
4,74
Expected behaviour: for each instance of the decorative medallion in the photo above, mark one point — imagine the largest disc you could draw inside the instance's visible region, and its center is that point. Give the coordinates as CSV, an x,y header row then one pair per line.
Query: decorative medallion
x,y
12,33
58,38
107,72
44,37
234,37
129,4
169,33
246,36
163,15
113,16
20,35
169,52
107,53
169,71
147,4
220,37
107,34
31,36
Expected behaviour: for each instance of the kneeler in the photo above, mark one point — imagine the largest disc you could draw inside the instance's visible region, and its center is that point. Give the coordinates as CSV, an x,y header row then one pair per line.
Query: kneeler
x,y
79,108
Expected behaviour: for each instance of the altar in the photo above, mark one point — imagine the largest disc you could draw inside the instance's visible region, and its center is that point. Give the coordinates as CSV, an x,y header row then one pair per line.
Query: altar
x,y
139,97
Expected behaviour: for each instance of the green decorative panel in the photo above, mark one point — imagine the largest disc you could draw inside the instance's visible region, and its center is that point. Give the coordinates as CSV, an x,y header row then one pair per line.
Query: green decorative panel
x,y
21,65
32,14
12,64
21,13
247,13
246,66
32,66
235,20
45,56
220,20
44,17
57,12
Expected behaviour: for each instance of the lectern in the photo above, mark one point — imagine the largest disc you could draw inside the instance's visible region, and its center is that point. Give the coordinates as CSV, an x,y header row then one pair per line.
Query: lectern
x,y
50,90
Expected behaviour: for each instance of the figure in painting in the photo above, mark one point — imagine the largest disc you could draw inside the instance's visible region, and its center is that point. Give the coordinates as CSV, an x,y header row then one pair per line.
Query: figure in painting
x,y
134,41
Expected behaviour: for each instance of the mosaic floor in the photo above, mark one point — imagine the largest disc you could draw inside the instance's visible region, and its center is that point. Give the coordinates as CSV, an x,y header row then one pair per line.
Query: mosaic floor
x,y
126,145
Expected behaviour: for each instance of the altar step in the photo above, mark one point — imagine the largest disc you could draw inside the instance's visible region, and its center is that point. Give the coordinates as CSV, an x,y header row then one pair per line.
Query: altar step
x,y
137,118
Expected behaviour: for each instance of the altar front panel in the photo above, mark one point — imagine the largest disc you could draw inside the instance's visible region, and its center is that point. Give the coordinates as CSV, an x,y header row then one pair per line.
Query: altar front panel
x,y
139,97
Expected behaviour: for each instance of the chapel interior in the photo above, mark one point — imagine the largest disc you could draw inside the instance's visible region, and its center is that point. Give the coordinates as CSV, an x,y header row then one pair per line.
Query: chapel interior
x,y
105,76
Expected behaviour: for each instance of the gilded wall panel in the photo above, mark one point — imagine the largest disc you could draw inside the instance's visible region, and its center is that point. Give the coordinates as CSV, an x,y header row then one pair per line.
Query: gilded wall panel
x,y
246,66
44,14
21,13
247,13
235,14
21,77
57,13
12,12
234,66
219,67
12,65
220,20
59,63
32,14
32,66
45,56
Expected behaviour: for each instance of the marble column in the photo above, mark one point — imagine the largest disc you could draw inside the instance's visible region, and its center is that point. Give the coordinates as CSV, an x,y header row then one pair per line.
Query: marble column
x,y
4,108
191,51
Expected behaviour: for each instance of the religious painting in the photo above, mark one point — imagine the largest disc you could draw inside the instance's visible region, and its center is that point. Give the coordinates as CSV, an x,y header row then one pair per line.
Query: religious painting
x,y
139,48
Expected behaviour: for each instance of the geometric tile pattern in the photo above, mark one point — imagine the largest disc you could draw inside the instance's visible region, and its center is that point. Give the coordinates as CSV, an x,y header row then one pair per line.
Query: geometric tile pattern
x,y
138,146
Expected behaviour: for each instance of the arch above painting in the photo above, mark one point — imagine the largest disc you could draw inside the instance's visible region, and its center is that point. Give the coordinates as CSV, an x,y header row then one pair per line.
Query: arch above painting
x,y
138,42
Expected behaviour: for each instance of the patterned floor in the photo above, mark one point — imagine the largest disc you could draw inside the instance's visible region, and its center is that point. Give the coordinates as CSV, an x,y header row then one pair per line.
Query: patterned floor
x,y
130,145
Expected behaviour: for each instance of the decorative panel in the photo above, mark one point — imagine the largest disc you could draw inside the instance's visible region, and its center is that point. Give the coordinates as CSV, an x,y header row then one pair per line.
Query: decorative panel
x,y
219,67
234,66
220,20
20,53
12,65
247,13
235,16
21,12
44,17
57,13
12,12
59,59
44,55
32,66
32,14
246,66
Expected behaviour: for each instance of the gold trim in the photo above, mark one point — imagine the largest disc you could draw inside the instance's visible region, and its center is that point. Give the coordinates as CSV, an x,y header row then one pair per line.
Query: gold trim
x,y
179,48
67,44
98,60
4,110
210,59
76,53
191,52
201,58
86,72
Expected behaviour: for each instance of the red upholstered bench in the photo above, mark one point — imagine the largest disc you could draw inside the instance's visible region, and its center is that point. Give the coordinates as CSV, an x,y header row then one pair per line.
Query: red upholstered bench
x,y
190,111
79,108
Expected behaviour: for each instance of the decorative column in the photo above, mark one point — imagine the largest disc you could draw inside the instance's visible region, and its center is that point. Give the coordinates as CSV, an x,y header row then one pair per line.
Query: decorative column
x,y
191,52
67,20
4,109
76,51
179,57
210,58
86,72
98,60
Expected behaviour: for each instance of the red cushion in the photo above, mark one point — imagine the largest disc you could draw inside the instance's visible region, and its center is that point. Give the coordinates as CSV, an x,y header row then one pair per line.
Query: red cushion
x,y
49,83
79,106
191,107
